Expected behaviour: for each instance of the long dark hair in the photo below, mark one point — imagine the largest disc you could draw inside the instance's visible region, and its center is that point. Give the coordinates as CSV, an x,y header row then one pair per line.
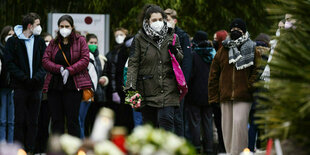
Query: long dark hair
x,y
59,37
4,32
148,10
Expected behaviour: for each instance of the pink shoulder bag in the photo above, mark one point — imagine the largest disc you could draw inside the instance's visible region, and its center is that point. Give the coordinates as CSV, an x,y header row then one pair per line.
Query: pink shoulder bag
x,y
179,76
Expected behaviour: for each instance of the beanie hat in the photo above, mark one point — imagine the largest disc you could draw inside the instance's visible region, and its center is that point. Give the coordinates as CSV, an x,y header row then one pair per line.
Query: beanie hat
x,y
264,38
200,36
239,23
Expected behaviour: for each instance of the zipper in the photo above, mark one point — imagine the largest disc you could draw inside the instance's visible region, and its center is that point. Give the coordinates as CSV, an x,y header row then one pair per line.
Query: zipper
x,y
233,84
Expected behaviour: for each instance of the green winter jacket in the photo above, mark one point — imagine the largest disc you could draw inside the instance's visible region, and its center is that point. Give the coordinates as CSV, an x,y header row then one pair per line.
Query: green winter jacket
x,y
150,71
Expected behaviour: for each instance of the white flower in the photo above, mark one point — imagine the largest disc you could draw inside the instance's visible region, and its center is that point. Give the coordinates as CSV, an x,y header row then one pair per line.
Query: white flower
x,y
142,132
107,148
157,137
148,149
173,143
70,144
162,152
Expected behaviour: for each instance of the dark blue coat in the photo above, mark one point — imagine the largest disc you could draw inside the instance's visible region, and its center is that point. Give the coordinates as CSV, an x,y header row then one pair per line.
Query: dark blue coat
x,y
198,83
186,48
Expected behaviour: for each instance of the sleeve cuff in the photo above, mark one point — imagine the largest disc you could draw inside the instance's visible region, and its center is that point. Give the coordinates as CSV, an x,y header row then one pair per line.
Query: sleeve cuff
x,y
106,79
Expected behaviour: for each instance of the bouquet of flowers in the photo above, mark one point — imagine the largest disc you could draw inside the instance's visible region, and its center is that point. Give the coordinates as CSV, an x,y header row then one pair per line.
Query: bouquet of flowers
x,y
134,99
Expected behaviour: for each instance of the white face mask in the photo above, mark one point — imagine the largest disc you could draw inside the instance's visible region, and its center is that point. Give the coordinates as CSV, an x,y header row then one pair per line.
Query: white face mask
x,y
37,30
278,33
65,32
169,24
157,26
120,39
47,43
7,38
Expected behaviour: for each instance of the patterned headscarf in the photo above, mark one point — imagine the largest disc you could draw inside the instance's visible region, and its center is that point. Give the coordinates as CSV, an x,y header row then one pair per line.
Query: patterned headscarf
x,y
159,37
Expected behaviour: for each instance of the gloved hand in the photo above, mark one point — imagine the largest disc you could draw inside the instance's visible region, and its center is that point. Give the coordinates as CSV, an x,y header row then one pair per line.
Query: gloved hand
x,y
116,98
65,75
61,69
172,49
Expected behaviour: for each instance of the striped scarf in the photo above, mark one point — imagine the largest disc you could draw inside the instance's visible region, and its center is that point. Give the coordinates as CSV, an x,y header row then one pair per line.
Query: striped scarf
x,y
243,58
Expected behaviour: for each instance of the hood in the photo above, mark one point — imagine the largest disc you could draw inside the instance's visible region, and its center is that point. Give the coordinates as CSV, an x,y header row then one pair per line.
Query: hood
x,y
18,29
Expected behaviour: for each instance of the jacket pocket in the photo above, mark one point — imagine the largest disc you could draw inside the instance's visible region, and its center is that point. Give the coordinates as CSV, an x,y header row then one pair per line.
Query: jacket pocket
x,y
147,85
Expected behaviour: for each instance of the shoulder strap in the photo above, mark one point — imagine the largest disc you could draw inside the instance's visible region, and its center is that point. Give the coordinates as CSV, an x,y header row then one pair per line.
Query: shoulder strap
x,y
63,53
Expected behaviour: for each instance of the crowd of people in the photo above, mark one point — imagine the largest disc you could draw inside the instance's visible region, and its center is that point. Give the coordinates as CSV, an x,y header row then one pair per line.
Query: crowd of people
x,y
44,81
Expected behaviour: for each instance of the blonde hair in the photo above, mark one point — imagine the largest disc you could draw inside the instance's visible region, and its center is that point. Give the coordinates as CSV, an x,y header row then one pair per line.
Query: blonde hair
x,y
172,13
121,29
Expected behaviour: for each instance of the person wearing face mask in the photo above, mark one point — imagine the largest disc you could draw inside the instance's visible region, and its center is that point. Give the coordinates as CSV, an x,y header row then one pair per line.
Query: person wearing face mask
x,y
47,38
66,59
150,70
23,56
117,58
218,38
289,21
6,91
95,71
233,71
186,63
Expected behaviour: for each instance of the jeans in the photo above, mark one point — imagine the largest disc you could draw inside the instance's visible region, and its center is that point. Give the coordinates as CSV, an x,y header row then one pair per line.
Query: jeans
x,y
27,107
6,115
162,117
83,112
181,124
137,118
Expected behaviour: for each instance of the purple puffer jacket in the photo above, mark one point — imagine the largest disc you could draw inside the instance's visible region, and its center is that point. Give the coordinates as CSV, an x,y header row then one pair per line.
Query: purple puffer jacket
x,y
79,58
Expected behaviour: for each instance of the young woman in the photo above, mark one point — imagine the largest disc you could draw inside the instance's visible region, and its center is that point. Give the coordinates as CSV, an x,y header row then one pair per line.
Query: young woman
x,y
150,69
66,59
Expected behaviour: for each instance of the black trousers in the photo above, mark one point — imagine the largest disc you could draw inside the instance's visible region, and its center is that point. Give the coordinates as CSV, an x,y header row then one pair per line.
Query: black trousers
x,y
123,115
201,123
43,123
218,124
27,107
63,104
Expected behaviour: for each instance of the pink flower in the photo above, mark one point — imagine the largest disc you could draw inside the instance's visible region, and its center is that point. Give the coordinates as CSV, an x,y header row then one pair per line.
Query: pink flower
x,y
139,100
138,95
134,102
130,100
138,104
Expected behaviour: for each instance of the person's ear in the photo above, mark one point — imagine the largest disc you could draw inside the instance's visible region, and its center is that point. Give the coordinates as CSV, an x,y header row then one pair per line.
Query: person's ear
x,y
29,26
175,21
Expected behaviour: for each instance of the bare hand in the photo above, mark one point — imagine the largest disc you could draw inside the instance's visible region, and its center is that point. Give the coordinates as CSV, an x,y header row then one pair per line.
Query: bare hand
x,y
102,81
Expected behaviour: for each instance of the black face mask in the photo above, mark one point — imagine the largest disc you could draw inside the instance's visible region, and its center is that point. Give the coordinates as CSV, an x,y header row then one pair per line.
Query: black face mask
x,y
235,34
215,44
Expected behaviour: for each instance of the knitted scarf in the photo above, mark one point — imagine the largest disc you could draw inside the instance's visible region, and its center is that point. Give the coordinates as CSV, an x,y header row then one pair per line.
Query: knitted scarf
x,y
158,37
206,53
243,58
